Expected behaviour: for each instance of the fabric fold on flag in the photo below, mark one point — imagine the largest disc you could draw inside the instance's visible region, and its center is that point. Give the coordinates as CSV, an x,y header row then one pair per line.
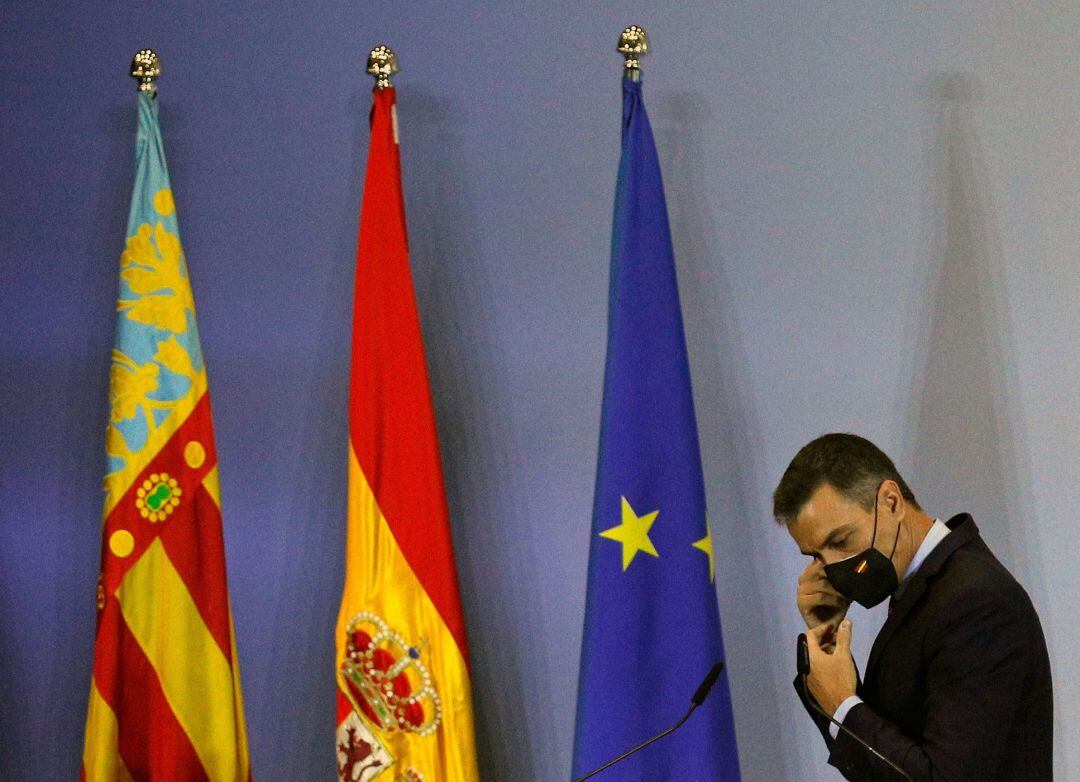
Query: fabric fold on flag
x,y
404,697
652,624
165,700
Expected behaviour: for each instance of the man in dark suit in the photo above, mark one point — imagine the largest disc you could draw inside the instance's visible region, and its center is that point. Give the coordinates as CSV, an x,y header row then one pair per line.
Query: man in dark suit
x,y
958,685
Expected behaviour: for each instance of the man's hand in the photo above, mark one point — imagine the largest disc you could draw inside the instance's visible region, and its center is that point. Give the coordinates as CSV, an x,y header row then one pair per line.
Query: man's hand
x,y
820,604
832,678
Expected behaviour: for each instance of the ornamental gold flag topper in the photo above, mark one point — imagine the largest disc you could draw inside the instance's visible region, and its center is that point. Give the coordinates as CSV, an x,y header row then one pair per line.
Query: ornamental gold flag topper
x,y
404,701
165,698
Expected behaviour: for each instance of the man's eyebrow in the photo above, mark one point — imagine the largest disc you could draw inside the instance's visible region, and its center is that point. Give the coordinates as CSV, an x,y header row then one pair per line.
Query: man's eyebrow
x,y
837,534
832,538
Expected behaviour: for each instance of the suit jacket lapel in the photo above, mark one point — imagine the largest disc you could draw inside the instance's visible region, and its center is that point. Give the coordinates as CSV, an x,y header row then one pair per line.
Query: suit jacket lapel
x,y
912,592
962,530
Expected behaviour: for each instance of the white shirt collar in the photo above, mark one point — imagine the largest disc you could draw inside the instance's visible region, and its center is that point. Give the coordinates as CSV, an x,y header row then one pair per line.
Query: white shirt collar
x,y
935,535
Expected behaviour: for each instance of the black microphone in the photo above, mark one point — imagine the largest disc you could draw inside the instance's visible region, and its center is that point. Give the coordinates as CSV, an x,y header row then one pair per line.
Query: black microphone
x,y
802,664
702,692
699,698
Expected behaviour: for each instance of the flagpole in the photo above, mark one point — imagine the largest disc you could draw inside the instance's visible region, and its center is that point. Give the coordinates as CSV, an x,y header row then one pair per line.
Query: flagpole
x,y
633,44
382,64
146,67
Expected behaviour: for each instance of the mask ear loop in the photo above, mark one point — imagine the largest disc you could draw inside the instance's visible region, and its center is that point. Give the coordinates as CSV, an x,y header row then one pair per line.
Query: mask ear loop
x,y
896,539
873,535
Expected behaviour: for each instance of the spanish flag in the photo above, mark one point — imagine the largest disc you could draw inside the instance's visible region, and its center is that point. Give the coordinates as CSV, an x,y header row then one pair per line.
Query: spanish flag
x,y
165,698
402,662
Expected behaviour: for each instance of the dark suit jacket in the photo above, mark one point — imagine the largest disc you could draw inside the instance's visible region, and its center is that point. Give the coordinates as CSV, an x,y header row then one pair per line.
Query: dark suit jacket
x,y
957,686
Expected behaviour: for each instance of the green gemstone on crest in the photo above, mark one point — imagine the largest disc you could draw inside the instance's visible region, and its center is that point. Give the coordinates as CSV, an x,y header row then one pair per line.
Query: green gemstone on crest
x,y
158,497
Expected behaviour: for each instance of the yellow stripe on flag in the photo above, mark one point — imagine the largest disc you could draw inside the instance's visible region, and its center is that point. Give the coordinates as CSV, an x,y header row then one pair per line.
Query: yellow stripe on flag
x,y
379,579
212,483
101,752
194,673
241,723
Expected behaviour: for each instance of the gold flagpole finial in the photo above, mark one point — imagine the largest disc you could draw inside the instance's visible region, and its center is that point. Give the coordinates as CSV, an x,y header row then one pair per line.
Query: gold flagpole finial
x,y
633,44
146,67
382,64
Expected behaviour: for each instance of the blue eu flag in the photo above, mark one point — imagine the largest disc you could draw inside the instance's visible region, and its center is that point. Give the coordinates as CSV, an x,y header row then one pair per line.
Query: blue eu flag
x,y
652,625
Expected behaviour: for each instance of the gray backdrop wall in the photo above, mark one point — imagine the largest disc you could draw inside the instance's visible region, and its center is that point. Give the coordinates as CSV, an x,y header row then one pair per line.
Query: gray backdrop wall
x,y
875,210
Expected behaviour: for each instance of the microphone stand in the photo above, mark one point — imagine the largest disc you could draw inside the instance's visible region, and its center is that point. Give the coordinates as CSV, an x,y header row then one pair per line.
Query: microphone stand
x,y
642,745
695,701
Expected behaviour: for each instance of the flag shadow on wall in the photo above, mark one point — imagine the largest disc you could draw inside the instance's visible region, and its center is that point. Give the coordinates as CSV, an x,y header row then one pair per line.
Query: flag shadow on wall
x,y
966,452
466,367
728,424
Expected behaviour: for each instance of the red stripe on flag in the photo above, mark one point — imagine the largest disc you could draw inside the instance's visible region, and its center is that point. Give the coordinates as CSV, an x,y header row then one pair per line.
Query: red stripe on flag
x,y
152,744
344,707
170,460
197,551
191,534
391,419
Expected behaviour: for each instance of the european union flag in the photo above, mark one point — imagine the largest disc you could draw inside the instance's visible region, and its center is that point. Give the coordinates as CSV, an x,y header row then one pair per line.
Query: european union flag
x,y
652,625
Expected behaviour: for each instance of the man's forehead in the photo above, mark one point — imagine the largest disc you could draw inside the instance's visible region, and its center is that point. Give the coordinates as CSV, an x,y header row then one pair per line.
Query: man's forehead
x,y
809,532
825,513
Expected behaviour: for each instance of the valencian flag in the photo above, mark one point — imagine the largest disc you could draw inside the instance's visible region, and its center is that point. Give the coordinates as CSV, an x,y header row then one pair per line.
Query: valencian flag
x,y
165,699
652,626
404,701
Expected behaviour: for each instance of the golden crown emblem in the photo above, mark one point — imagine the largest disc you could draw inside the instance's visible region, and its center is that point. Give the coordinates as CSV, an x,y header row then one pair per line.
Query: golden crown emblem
x,y
386,680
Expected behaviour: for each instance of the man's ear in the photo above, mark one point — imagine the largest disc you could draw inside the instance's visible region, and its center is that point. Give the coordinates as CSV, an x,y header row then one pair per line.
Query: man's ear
x,y
890,497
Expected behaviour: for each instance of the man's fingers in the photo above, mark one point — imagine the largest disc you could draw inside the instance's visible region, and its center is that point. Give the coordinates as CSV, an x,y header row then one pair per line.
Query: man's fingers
x,y
843,637
818,591
827,639
812,567
819,602
820,598
821,613
812,575
817,588
817,635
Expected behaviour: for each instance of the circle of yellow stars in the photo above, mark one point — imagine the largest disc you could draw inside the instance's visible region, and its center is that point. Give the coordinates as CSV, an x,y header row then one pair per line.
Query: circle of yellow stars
x,y
633,534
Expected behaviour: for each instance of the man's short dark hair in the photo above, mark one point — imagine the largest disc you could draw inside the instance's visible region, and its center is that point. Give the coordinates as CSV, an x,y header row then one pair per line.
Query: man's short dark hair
x,y
852,465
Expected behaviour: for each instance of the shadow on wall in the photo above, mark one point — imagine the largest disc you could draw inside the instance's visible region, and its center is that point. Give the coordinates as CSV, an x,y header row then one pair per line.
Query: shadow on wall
x,y
10,698
298,710
965,452
728,429
497,565
57,402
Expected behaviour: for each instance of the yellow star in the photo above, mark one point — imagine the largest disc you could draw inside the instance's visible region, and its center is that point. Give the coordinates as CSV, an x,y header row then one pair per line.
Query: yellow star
x,y
705,544
633,533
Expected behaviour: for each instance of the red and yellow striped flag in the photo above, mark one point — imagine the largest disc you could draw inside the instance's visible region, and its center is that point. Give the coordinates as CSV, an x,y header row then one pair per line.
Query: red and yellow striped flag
x,y
404,696
165,700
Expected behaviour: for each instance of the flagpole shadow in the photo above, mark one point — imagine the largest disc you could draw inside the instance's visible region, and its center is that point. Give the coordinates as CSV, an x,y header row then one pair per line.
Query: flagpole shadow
x,y
11,699
84,402
287,663
966,452
729,431
484,485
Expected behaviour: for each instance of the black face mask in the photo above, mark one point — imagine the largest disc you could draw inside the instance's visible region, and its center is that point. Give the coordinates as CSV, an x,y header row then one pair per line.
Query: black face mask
x,y
867,578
